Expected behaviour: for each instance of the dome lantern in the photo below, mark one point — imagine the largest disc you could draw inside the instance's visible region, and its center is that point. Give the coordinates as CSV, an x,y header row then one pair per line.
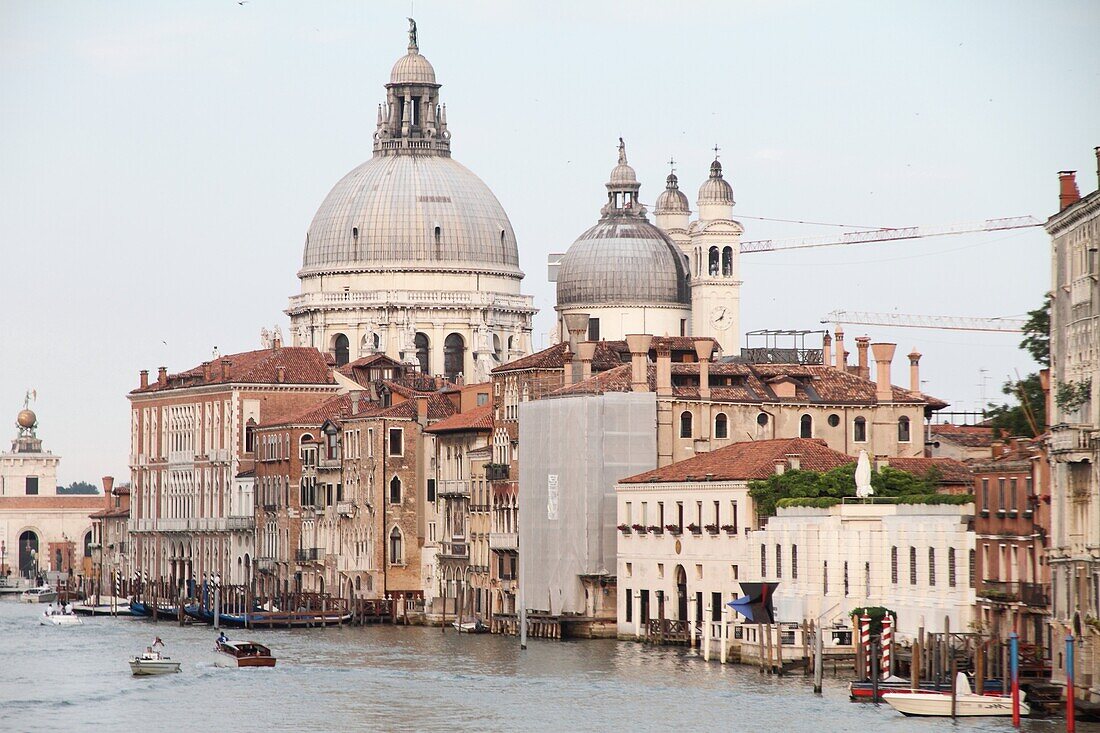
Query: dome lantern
x,y
715,195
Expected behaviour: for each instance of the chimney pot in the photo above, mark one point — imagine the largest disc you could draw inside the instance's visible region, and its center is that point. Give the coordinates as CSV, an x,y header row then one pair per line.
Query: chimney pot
x,y
664,369
638,344
826,349
143,376
422,409
1068,194
280,374
356,395
914,371
576,324
841,354
704,350
586,350
884,354
862,342
162,376
224,361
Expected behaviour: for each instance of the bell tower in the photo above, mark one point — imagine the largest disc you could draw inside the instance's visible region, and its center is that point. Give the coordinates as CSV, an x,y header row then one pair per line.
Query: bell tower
x,y
715,254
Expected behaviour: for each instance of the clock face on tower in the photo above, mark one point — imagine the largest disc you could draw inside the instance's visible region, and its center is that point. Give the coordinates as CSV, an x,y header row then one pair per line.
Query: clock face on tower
x,y
721,318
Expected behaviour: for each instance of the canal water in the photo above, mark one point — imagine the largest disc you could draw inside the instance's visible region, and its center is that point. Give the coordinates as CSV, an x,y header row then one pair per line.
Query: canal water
x,y
384,678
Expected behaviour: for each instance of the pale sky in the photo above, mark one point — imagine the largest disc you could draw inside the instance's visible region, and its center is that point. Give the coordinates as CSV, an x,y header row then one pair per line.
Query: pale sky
x,y
160,163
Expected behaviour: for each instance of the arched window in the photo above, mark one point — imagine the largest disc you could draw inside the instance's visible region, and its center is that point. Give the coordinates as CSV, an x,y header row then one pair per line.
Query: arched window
x,y
859,430
727,261
88,544
454,356
341,349
438,234
395,490
903,429
397,548
28,554
721,426
685,424
713,261
806,427
498,352
420,341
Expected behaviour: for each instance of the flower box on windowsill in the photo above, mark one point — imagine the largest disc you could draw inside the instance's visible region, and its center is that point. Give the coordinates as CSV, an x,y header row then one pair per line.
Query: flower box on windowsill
x,y
674,529
656,529
639,528
624,528
729,529
695,529
712,528
984,513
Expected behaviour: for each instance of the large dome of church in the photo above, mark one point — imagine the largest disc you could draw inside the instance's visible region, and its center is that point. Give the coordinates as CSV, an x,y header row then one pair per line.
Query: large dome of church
x,y
410,212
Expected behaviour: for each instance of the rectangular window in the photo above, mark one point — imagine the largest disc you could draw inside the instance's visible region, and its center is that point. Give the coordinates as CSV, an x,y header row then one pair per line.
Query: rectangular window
x,y
970,568
370,442
628,517
779,561
894,565
593,329
794,562
825,578
715,606
931,566
397,442
733,515
1001,491
716,517
845,577
912,566
866,580
1012,487
645,512
985,495
431,490
680,515
629,569
951,567
629,606
763,561
699,513
31,485
661,514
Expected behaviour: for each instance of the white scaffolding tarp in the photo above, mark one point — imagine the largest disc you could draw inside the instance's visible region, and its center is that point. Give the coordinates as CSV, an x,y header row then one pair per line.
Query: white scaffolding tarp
x,y
573,452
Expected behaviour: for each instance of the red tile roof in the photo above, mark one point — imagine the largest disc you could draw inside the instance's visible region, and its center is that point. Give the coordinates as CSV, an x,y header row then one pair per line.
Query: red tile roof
x,y
816,384
971,436
746,461
609,354
479,419
951,471
300,365
439,408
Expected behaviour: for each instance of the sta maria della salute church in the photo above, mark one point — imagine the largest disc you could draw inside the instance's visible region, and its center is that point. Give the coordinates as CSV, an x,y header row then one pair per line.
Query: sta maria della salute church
x,y
412,256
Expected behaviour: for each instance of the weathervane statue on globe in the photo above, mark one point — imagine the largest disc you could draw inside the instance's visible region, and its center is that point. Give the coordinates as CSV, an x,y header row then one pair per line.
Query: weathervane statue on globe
x,y
27,421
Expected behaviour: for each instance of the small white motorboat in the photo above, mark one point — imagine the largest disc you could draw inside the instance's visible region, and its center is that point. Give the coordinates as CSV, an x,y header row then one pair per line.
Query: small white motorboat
x,y
41,594
60,619
152,662
471,627
967,704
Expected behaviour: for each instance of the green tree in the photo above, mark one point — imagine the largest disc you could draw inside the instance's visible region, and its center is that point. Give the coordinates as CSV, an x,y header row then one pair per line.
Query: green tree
x,y
78,487
1013,419
836,484
1037,333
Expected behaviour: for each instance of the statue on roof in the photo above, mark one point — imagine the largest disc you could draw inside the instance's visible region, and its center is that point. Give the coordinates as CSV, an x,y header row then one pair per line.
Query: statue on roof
x,y
622,152
413,46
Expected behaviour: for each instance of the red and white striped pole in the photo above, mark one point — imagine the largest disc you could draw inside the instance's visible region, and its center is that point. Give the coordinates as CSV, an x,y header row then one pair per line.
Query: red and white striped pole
x,y
865,641
887,644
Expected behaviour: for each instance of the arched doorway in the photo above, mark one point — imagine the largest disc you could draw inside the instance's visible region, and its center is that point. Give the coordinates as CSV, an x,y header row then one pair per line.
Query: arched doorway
x,y
28,554
321,584
681,593
454,356
342,349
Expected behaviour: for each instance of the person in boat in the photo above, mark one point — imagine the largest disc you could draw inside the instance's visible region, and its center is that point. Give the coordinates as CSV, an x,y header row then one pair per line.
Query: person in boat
x,y
222,638
49,610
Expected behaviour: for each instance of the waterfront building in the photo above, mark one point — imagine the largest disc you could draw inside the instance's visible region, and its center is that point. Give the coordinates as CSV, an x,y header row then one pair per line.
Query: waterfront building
x,y
463,460
674,277
42,532
689,533
111,568
1012,527
1074,422
410,254
193,442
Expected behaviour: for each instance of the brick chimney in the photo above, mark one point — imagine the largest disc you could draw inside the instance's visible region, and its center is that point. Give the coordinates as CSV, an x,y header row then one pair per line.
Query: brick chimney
x,y
862,342
586,350
638,343
664,369
280,374
356,395
226,372
704,349
162,376
422,409
914,370
1068,194
841,354
143,376
884,354
826,349
108,486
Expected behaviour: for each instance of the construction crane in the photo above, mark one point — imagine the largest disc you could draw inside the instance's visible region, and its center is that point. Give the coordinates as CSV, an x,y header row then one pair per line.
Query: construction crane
x,y
890,234
944,323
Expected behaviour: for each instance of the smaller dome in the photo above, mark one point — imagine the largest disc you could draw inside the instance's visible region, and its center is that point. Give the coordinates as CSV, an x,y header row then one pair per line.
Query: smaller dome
x,y
672,200
622,173
27,419
412,68
716,190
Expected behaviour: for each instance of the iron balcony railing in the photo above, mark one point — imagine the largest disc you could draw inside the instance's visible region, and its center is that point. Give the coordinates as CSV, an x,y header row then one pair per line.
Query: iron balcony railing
x,y
1030,594
307,554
